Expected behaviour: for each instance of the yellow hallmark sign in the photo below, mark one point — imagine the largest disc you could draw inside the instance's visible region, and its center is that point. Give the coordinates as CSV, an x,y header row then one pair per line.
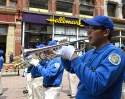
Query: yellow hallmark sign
x,y
62,20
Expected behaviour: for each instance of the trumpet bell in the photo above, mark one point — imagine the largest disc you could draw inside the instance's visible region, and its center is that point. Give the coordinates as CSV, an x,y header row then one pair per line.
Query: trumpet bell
x,y
20,61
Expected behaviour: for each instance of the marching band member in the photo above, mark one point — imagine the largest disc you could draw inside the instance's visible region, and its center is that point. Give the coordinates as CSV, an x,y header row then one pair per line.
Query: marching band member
x,y
100,70
1,65
52,74
24,75
28,77
37,82
123,87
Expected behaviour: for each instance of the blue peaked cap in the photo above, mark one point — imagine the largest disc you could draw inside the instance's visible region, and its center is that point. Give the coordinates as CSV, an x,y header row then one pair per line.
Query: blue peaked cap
x,y
52,43
40,46
100,20
1,52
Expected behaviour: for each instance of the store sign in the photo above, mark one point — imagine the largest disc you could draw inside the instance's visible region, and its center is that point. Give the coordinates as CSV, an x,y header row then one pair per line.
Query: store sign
x,y
62,20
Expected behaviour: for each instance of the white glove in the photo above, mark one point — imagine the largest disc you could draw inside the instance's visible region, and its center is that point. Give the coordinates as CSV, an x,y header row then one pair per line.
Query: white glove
x,y
34,62
63,40
65,52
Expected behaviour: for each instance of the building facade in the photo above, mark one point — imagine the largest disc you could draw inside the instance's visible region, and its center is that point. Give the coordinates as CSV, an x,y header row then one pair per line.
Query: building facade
x,y
10,28
27,23
115,9
46,20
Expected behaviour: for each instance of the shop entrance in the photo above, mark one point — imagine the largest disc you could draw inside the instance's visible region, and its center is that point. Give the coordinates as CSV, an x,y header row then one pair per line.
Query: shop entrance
x,y
33,44
3,47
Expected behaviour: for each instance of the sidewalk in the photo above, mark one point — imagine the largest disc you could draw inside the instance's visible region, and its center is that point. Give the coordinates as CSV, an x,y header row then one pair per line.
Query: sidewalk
x,y
13,86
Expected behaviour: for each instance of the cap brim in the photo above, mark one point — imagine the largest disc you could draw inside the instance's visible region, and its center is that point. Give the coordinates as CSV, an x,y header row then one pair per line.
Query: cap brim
x,y
37,46
90,22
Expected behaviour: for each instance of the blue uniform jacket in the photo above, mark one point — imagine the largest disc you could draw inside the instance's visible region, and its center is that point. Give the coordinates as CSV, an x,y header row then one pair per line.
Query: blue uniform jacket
x,y
29,69
34,71
52,72
27,63
1,62
100,72
124,77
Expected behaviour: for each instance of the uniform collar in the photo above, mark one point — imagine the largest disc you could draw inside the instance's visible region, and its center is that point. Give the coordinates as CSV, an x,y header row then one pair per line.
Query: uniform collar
x,y
103,48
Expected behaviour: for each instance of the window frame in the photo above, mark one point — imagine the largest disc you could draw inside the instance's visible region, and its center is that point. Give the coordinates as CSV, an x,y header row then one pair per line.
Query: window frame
x,y
114,9
39,5
65,3
3,3
5,28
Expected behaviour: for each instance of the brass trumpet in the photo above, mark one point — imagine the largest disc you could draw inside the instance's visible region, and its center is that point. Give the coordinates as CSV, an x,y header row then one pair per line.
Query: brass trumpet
x,y
19,60
37,50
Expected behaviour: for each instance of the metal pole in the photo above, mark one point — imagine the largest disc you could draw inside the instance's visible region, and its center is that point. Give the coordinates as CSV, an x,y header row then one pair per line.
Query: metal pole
x,y
53,32
23,34
120,39
77,31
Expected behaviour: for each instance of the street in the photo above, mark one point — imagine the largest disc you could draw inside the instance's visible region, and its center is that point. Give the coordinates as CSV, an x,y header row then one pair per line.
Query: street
x,y
13,86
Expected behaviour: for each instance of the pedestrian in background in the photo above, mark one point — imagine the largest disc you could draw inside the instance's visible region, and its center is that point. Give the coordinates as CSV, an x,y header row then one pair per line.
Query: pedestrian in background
x,y
11,57
1,65
100,70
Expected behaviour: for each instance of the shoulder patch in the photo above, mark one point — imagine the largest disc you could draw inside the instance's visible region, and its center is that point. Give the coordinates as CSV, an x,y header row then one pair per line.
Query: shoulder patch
x,y
57,65
114,59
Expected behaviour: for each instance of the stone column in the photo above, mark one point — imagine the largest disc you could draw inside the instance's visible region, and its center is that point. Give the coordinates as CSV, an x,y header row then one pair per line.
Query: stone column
x,y
10,42
7,3
105,7
119,11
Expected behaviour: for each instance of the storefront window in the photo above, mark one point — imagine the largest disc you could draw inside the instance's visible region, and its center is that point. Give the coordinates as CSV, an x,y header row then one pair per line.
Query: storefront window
x,y
3,2
60,30
43,39
48,38
43,29
123,41
49,29
123,1
123,11
70,31
116,33
64,6
111,8
115,40
122,33
42,4
120,25
82,32
26,27
3,29
35,38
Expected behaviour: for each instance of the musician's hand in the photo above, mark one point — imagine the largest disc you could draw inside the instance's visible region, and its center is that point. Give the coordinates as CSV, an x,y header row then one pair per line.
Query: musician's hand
x,y
63,40
34,62
65,52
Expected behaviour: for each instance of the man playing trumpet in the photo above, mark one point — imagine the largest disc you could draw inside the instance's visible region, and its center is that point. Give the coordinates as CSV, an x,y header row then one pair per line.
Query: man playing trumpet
x,y
52,73
37,79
